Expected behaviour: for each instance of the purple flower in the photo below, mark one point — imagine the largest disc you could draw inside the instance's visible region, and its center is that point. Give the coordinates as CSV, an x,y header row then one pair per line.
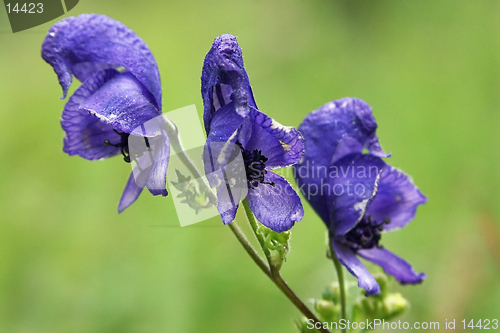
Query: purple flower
x,y
120,92
357,195
233,122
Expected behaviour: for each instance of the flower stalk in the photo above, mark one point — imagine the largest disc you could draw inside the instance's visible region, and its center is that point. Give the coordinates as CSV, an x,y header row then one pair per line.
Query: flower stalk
x,y
340,276
249,249
275,275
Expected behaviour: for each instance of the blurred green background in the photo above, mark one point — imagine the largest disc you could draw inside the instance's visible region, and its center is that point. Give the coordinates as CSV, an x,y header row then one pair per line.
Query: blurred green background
x,y
431,72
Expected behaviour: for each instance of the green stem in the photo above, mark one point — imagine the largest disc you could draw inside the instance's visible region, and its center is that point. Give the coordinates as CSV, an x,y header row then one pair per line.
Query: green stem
x,y
340,275
285,289
253,224
249,248
275,275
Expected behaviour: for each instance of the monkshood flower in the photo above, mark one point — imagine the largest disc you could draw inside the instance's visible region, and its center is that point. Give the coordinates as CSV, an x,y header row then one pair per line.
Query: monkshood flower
x,y
234,123
356,194
120,92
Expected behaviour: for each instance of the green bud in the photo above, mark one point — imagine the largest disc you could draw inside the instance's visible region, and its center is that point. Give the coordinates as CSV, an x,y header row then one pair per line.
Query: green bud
x,y
276,244
372,306
358,314
332,293
327,310
301,325
394,305
385,305
383,281
382,307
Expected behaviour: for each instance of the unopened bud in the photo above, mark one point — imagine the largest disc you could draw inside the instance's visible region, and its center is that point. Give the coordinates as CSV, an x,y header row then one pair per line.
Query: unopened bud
x,y
383,281
302,325
332,292
372,306
394,305
327,310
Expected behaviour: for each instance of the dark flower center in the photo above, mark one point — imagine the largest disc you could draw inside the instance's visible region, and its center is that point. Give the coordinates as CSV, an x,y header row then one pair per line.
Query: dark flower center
x,y
365,235
123,145
255,166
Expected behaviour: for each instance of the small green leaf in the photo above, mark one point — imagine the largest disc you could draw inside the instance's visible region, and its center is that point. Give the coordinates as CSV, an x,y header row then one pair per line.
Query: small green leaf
x,y
276,244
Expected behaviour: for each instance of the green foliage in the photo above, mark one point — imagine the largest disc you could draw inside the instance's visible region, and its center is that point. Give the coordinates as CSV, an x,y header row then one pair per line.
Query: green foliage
x,y
278,245
385,305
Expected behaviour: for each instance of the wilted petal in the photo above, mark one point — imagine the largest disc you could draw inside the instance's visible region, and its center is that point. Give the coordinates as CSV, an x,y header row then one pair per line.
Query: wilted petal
x,y
123,103
344,121
393,265
130,194
85,133
277,207
281,145
352,184
397,199
224,80
88,43
348,258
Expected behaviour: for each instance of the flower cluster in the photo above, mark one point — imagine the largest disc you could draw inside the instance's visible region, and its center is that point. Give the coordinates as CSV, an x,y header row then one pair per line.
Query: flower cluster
x,y
120,93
